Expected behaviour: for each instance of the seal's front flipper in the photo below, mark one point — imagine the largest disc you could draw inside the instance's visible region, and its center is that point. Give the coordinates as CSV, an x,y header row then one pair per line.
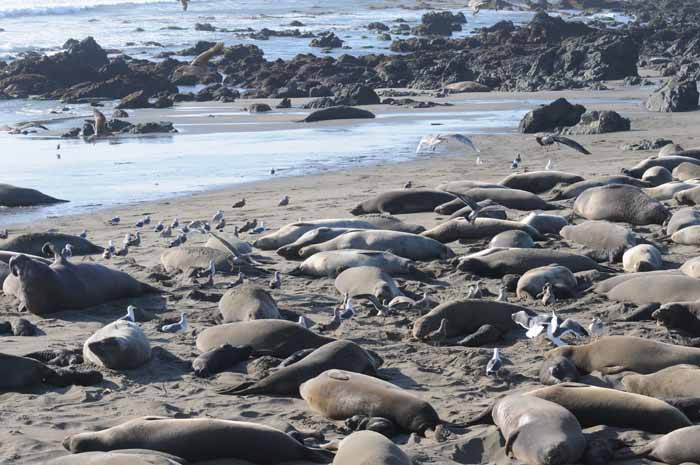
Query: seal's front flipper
x,y
510,440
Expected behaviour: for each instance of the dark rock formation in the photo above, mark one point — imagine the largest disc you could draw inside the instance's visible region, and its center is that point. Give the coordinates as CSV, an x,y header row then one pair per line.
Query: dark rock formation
x,y
599,122
557,114
675,95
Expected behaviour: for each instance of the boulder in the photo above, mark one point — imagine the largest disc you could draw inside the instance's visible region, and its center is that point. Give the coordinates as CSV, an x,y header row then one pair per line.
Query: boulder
x,y
442,23
327,40
599,122
557,114
675,95
137,99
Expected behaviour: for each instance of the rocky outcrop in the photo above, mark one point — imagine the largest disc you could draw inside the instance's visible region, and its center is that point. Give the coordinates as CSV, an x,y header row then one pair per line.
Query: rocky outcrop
x,y
137,99
442,23
551,117
327,40
599,122
675,95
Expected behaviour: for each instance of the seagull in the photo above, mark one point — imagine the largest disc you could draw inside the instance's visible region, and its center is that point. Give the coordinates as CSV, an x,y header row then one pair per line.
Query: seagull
x,y
129,314
239,204
479,161
518,158
408,185
551,139
276,282
175,223
477,210
218,216
115,220
147,219
304,322
159,227
83,234
284,201
435,140
514,165
106,254
494,364
131,241
556,331
502,294
167,232
400,301
139,223
260,229
475,291
333,324
185,229
67,251
110,246
212,272
547,295
176,327
4,234
122,252
220,225
596,328
249,225
549,166
348,309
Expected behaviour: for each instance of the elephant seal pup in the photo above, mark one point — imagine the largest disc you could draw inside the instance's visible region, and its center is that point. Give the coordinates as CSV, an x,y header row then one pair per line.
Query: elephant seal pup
x,y
33,244
669,163
411,246
593,406
481,228
315,236
496,263
683,316
683,218
687,236
339,395
512,239
643,257
656,289
403,201
538,182
675,382
562,280
339,355
219,359
668,190
510,198
538,432
128,456
121,345
466,316
367,280
334,262
279,338
22,372
675,448
199,439
369,448
620,203
657,175
248,302
12,196
44,289
545,224
686,171
688,196
607,241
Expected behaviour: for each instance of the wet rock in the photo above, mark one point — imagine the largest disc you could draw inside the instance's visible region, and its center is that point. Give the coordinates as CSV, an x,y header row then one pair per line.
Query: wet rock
x,y
442,23
206,27
335,113
377,26
284,104
557,114
675,95
152,128
599,122
137,99
259,108
120,114
327,40
71,133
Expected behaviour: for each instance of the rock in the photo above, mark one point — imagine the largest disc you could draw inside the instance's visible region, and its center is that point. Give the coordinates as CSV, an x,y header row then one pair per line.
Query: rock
x,y
646,144
152,128
71,133
120,114
341,112
138,99
259,108
359,95
377,26
442,23
296,23
327,40
163,102
599,122
557,114
206,27
466,86
284,104
675,95
117,125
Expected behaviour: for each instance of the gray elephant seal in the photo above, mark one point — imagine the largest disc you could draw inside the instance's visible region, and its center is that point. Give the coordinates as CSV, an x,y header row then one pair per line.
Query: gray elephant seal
x,y
675,448
403,201
44,289
682,316
339,395
131,457
466,211
120,345
691,267
668,190
687,236
315,236
657,175
12,196
675,382
538,432
279,338
683,218
537,182
607,241
481,228
367,280
219,359
186,258
562,280
688,196
593,406
339,355
334,262
369,448
242,247
607,285
248,302
510,198
686,171
620,203
411,246
199,439
513,238
659,288
20,373
33,244
545,224
341,112
670,149
643,257
670,163
571,191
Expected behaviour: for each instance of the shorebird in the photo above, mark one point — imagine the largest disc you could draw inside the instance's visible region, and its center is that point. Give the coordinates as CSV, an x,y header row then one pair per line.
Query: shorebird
x,y
212,272
495,363
4,234
439,335
276,281
304,322
239,204
596,328
175,223
139,223
218,216
83,234
220,225
248,226
129,314
514,165
159,227
518,158
177,327
348,309
147,219
333,324
260,229
408,185
434,140
284,201
502,294
547,295
551,139
167,232
67,251
115,220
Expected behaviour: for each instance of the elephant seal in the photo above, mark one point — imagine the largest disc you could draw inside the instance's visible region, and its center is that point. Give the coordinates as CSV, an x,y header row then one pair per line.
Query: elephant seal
x,y
335,113
683,218
607,241
403,201
411,246
683,316
456,208
369,448
538,182
186,258
466,316
687,236
513,238
20,373
496,213
675,448
643,257
121,345
242,247
481,228
670,149
538,432
219,359
686,171
593,406
688,196
248,302
657,288
510,198
657,175
464,185
315,236
668,190
340,355
691,267
199,439
496,263
279,338
670,163
203,58
674,382
545,224
291,232
339,395
33,244
571,191
130,456
334,262
367,280
43,289
620,203
12,196
607,285
562,280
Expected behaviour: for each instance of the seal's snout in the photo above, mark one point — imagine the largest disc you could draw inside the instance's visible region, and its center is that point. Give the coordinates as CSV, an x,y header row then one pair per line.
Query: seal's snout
x,y
67,443
356,211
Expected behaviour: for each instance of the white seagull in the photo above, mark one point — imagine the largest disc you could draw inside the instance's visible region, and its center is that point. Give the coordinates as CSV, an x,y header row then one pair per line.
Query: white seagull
x,y
434,140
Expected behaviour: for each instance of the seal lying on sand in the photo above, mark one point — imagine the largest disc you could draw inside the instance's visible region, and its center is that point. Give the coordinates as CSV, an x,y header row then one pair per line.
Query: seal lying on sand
x,y
512,239
187,258
669,163
687,236
510,198
334,262
199,439
121,345
688,196
668,190
11,196
545,224
607,285
481,228
367,281
242,247
683,316
340,112
22,372
537,182
219,359
608,241
130,456
571,191
315,236
369,448
657,176
403,201
620,203
661,289
675,382
683,218
33,244
686,171
644,257
247,302
675,448
562,280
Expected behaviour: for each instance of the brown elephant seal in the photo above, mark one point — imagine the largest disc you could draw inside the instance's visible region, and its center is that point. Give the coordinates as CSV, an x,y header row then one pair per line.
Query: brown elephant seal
x,y
538,432
688,196
510,198
620,203
675,382
607,285
656,289
248,302
683,316
203,58
571,191
279,338
538,182
643,257
406,245
20,373
336,113
512,239
496,212
44,289
481,228
127,456
687,236
683,218
562,280
242,247
681,446
545,224
456,209
369,448
403,201
12,196
607,241
219,359
334,262
367,280
467,316
121,345
33,244
686,171
657,175
668,190
496,263
199,439
593,406
315,236
339,395
339,355
184,259
669,163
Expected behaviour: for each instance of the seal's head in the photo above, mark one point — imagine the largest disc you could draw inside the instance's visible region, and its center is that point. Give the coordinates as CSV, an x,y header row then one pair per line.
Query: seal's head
x,y
358,210
425,325
36,284
383,292
108,350
673,315
558,369
83,442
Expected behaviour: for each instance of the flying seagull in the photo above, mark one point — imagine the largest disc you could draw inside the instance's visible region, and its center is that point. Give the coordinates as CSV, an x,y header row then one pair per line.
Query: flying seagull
x,y
551,139
434,140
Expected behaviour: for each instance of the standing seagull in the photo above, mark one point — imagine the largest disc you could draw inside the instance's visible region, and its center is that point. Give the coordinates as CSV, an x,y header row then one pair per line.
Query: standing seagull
x,y
551,139
276,282
129,314
185,4
596,328
4,234
495,363
502,294
434,140
283,202
218,216
177,327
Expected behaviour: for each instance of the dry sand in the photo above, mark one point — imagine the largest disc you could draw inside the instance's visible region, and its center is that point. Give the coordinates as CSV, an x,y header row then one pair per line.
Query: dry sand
x,y
451,378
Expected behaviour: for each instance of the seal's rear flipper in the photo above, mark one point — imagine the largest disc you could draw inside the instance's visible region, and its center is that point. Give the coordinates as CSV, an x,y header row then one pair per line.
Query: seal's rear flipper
x,y
238,390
